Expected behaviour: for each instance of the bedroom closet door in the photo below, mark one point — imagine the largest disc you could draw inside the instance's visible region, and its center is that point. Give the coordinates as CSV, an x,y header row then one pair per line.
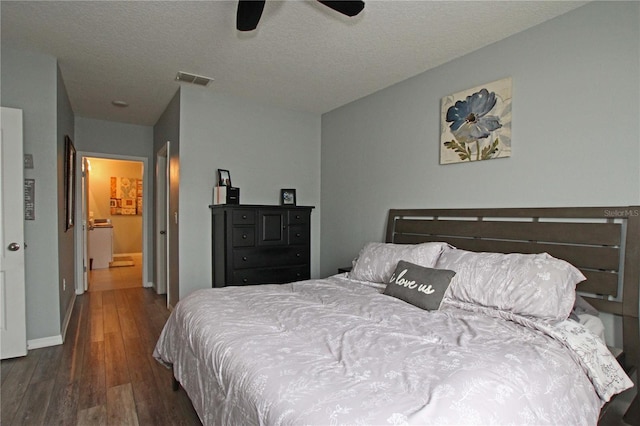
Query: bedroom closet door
x,y
162,214
13,325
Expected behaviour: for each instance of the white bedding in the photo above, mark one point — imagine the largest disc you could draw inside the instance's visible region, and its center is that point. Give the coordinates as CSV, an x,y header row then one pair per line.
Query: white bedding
x,y
594,324
337,351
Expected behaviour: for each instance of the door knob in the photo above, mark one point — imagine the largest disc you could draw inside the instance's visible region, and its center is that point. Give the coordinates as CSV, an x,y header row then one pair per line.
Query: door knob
x,y
14,247
162,232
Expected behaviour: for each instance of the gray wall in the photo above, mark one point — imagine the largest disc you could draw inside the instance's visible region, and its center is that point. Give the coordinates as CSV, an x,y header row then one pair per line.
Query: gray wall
x,y
264,148
576,140
109,137
29,82
66,242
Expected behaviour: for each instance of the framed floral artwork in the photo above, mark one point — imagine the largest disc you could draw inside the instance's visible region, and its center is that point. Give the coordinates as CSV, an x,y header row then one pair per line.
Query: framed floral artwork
x,y
476,123
125,196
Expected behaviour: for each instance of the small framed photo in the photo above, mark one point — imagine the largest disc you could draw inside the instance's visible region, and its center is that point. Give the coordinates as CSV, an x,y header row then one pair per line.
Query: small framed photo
x,y
224,177
288,197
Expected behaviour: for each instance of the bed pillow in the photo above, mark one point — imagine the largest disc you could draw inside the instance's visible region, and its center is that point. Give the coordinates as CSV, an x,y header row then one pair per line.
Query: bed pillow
x,y
536,285
377,261
418,285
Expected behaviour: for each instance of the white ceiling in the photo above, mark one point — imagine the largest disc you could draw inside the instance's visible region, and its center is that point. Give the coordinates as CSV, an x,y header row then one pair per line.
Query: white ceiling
x,y
303,56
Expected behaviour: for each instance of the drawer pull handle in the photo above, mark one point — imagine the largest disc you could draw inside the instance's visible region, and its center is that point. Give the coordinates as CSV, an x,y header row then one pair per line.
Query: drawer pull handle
x,y
298,235
244,216
244,236
244,258
297,216
244,280
298,254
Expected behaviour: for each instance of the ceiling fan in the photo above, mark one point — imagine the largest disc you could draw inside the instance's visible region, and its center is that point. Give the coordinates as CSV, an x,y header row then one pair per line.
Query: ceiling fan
x,y
250,11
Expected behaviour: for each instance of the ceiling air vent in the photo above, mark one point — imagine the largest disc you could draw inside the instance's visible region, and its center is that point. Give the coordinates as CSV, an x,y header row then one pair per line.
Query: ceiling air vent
x,y
193,78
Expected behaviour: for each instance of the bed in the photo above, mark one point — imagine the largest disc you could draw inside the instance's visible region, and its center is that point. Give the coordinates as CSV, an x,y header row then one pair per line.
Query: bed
x,y
485,338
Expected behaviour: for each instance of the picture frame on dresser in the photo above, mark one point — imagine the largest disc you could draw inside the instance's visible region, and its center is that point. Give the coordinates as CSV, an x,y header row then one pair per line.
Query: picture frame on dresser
x,y
288,197
224,178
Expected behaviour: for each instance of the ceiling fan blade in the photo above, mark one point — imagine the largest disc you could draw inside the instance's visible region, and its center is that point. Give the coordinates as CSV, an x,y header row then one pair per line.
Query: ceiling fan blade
x,y
249,13
349,8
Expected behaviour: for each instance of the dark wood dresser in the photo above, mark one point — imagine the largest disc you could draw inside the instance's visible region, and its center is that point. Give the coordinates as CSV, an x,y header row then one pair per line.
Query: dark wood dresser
x,y
256,244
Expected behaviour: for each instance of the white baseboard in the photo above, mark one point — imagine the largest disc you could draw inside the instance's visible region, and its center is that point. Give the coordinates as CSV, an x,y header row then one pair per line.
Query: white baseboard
x,y
67,317
44,342
148,284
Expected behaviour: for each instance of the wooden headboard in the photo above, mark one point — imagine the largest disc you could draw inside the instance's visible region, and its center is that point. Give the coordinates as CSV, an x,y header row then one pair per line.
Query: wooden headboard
x,y
603,242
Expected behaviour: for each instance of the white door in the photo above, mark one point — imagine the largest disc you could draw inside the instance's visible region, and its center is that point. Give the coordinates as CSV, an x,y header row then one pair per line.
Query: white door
x,y
162,206
13,323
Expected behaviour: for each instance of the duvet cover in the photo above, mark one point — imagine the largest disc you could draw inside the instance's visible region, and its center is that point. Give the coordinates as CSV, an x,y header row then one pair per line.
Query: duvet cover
x,y
337,351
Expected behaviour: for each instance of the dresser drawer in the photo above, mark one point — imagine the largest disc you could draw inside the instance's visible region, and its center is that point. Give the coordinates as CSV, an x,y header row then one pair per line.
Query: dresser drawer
x,y
270,275
276,256
298,217
243,217
244,236
299,235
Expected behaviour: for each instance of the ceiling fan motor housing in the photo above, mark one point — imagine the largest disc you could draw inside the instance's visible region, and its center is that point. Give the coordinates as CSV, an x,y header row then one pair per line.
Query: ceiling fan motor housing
x,y
250,11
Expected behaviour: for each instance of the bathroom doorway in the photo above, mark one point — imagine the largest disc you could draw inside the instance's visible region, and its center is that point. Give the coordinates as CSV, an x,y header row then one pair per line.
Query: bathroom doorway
x,y
113,216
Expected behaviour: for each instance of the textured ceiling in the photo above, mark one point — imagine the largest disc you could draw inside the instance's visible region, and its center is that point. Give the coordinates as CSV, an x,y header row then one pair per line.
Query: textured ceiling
x,y
303,56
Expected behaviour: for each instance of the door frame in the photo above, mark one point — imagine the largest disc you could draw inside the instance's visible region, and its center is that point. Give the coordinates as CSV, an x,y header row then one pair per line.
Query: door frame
x,y
147,186
162,219
84,202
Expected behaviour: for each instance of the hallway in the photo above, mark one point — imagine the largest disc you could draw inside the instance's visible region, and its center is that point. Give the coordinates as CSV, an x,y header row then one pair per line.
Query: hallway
x,y
104,374
118,277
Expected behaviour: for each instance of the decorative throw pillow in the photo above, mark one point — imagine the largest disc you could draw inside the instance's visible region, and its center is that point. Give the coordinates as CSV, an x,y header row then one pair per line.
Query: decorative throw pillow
x,y
377,261
537,285
418,285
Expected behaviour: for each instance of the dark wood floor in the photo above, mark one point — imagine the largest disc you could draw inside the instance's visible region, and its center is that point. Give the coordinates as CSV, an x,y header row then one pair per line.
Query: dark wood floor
x,y
104,373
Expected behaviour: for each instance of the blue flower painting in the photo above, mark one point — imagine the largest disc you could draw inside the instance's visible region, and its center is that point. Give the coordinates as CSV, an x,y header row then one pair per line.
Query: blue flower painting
x,y
476,123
